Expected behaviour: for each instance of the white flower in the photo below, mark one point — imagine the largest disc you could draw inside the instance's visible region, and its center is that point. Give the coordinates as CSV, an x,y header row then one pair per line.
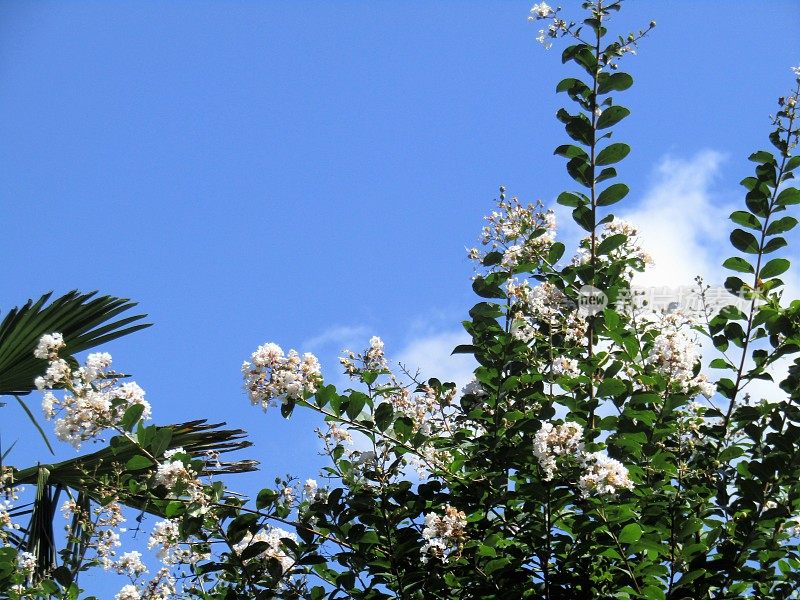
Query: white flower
x,y
94,400
130,563
26,563
128,592
544,39
272,536
48,403
271,375
563,366
795,70
603,475
540,11
553,441
161,587
310,488
166,537
96,363
444,535
49,345
169,474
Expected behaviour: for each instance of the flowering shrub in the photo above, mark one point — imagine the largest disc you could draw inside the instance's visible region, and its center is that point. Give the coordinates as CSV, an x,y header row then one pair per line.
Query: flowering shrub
x,y
595,454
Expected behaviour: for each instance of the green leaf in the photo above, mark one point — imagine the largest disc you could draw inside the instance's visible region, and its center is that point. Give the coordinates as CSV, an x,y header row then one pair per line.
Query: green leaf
x,y
746,219
614,82
612,194
579,129
570,151
266,497
583,217
611,243
757,200
484,289
161,441
630,534
570,84
555,253
737,263
761,157
132,416
781,225
611,388
138,462
775,243
568,199
492,258
83,320
464,349
606,173
788,196
384,415
774,268
579,169
720,363
356,403
744,241
611,116
612,154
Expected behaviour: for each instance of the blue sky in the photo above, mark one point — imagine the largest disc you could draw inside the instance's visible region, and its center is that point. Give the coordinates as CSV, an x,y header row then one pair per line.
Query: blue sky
x,y
310,172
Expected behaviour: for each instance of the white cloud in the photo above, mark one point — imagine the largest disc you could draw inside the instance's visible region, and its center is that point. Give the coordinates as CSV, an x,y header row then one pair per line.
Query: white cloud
x,y
428,350
681,223
337,338
684,225
431,354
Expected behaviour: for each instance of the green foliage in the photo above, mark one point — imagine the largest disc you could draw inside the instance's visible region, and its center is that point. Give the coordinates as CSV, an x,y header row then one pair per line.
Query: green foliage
x,y
581,463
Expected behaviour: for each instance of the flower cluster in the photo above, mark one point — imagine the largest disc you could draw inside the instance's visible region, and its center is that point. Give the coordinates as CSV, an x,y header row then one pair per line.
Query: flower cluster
x,y
565,367
272,375
600,474
102,525
94,399
9,493
603,475
556,28
444,535
545,310
49,346
26,564
173,473
6,521
519,234
373,360
161,587
628,250
275,548
130,564
165,536
420,408
676,356
553,441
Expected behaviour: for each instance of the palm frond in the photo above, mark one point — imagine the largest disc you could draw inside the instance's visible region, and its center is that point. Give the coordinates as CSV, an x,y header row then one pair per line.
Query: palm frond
x,y
84,320
197,438
39,538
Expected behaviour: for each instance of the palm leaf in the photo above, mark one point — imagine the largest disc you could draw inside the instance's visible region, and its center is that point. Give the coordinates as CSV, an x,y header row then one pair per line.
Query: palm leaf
x,y
197,438
84,320
81,474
